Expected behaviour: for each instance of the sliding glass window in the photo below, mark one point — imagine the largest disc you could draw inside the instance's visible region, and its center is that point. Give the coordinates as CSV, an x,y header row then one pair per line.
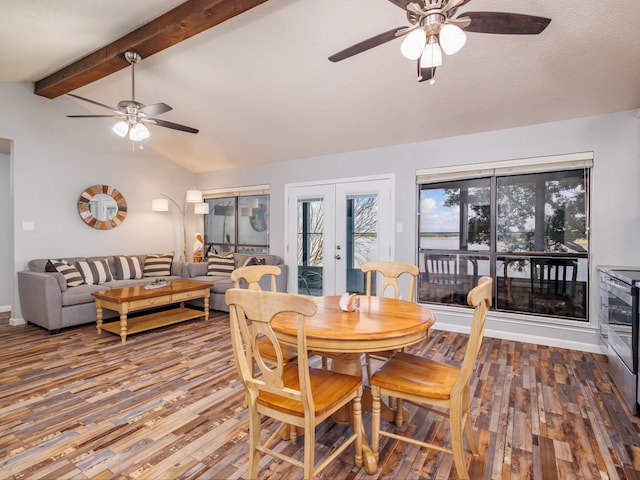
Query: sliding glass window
x,y
528,231
238,223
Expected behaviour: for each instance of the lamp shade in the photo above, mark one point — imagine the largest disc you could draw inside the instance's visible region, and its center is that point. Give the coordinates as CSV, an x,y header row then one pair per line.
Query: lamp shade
x,y
160,205
201,208
194,196
432,54
413,44
452,38
138,132
121,128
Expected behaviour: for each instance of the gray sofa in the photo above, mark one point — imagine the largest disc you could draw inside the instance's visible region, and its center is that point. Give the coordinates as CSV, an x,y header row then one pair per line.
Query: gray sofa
x,y
220,284
47,301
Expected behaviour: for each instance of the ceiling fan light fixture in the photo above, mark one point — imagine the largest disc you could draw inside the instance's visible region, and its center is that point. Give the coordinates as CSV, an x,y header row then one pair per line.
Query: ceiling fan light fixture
x,y
138,132
121,128
413,44
432,53
452,38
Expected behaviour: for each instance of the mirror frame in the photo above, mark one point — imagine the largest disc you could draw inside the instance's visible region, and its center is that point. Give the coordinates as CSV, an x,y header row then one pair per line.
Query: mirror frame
x,y
84,207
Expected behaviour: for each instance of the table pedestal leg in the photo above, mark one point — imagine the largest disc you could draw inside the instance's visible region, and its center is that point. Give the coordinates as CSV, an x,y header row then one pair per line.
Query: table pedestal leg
x,y
350,363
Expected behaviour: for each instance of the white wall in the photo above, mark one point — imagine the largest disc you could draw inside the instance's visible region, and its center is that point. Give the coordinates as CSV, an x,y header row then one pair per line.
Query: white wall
x,y
615,201
6,270
55,158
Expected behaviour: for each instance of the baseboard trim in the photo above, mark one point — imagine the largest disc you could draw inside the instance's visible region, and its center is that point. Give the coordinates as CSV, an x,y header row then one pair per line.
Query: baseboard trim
x,y
584,338
5,308
14,322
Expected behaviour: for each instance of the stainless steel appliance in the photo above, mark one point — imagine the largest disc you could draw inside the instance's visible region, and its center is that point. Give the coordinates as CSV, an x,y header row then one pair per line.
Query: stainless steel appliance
x,y
619,324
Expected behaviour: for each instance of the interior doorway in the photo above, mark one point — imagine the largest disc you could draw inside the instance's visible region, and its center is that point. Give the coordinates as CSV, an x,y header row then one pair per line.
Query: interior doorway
x,y
332,229
6,233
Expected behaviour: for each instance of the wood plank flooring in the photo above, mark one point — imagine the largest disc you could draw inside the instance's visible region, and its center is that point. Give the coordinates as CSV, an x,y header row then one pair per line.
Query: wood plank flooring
x,y
168,404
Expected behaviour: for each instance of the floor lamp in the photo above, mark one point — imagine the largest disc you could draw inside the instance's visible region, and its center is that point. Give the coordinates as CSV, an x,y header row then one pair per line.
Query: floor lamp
x,y
190,196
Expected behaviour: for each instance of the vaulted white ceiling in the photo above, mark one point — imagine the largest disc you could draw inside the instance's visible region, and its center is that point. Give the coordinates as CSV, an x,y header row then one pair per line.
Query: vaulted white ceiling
x,y
260,88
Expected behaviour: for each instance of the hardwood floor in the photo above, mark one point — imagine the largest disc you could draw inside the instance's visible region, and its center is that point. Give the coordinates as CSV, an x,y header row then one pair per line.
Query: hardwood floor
x,y
168,404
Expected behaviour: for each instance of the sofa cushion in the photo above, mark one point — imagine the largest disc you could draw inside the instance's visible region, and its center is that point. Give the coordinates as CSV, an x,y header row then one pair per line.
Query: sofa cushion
x,y
127,268
255,261
81,294
242,258
69,271
220,265
95,272
158,265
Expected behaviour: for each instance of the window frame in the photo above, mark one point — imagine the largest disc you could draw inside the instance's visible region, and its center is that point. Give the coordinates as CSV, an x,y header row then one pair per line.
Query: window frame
x,y
512,168
236,196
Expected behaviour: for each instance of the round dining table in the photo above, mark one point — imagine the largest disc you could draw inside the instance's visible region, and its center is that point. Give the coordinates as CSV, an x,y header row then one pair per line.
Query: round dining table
x,y
379,324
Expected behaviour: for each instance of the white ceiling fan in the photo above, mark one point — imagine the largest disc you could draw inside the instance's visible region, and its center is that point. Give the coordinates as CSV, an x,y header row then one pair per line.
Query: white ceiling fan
x,y
134,115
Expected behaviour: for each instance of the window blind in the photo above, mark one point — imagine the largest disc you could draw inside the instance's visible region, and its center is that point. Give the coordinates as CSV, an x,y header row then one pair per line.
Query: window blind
x,y
572,161
237,191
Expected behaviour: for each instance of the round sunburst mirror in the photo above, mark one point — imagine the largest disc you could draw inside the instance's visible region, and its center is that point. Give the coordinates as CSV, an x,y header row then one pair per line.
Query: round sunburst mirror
x,y
102,207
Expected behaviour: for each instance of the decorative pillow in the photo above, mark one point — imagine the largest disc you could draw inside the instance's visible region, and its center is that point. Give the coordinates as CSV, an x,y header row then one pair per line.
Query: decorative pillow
x,y
95,272
220,265
158,265
128,268
255,261
68,271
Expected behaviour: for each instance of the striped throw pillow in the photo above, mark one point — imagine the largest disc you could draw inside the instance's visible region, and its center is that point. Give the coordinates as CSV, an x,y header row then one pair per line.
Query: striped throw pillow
x,y
70,273
158,265
220,265
95,272
128,268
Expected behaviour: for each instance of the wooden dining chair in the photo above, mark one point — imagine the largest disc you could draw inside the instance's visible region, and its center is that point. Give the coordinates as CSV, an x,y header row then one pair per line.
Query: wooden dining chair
x,y
391,271
252,275
292,393
427,383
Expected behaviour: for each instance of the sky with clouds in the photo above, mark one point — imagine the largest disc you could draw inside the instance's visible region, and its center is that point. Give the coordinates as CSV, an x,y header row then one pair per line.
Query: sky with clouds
x,y
434,216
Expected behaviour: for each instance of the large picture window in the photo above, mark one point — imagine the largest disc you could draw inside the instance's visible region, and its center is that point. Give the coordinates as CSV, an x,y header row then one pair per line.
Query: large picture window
x,y
528,230
237,223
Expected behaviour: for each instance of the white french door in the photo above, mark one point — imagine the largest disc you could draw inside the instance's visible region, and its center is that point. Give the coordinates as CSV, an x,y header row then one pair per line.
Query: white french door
x,y
332,229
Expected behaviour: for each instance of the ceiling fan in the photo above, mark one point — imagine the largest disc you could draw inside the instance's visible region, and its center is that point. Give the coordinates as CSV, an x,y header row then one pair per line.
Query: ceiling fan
x,y
435,28
134,115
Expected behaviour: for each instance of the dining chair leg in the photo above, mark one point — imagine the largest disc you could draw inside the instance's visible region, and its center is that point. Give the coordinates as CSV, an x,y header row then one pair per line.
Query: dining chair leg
x,y
254,441
457,445
468,428
399,412
375,421
358,427
309,450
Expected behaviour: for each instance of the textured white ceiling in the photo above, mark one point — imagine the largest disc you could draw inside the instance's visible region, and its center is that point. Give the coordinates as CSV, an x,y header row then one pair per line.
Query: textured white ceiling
x,y
260,88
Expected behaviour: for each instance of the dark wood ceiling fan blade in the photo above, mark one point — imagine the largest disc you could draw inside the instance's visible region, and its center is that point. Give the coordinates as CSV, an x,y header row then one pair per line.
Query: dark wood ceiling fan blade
x,y
175,126
92,101
95,116
155,109
367,44
505,23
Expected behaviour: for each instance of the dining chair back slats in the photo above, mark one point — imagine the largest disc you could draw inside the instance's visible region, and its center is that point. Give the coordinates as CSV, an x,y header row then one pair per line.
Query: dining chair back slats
x,y
291,392
252,274
391,271
428,383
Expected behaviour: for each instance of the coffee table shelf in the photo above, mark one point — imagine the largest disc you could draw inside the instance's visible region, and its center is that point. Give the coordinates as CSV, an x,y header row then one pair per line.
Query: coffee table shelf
x,y
154,320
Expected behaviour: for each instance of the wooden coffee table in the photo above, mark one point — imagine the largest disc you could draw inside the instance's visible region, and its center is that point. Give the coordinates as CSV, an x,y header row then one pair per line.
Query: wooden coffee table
x,y
131,299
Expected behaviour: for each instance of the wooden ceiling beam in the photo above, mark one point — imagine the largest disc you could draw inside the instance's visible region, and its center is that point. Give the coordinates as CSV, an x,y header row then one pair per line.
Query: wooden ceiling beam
x,y
184,21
